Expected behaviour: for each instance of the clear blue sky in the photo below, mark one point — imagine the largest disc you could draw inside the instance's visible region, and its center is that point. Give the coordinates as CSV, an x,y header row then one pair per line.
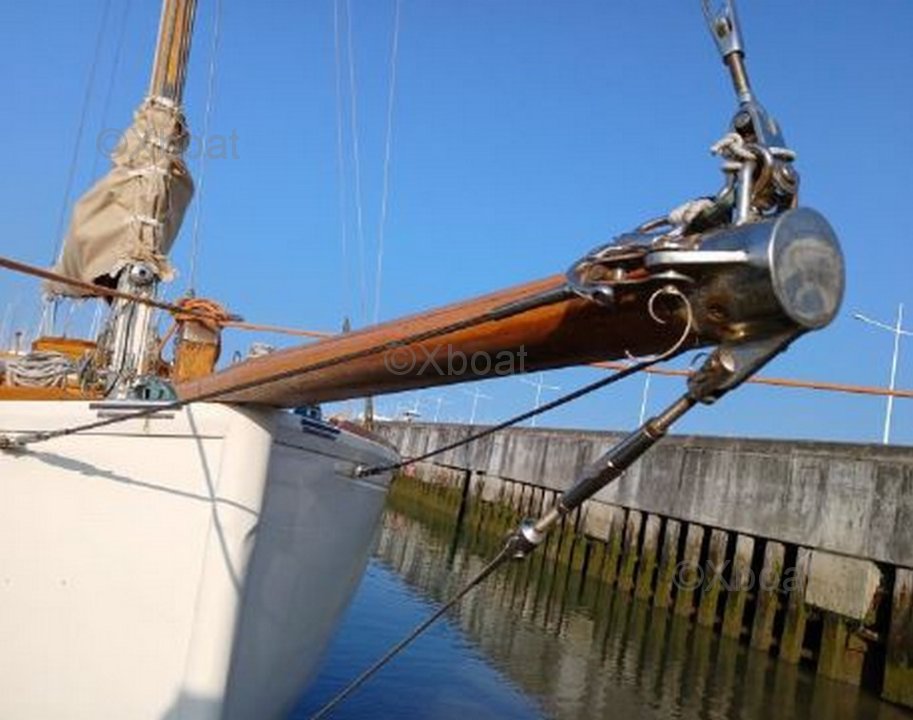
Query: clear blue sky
x,y
525,132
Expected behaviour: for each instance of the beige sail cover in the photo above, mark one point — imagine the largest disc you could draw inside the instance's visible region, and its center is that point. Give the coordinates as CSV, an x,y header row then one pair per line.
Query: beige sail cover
x,y
133,213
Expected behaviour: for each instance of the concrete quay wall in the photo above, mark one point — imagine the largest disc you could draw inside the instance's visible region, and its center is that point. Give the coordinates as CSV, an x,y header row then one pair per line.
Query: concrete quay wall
x,y
849,499
803,550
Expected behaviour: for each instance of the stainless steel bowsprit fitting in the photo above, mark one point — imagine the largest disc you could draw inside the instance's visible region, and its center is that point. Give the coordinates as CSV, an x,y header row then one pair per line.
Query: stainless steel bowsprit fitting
x,y
755,145
755,271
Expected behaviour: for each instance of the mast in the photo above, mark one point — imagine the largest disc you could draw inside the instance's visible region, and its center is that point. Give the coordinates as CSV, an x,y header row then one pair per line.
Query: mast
x,y
172,50
161,135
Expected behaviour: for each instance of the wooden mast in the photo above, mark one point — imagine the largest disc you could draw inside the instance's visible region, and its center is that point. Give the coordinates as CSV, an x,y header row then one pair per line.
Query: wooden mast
x,y
172,50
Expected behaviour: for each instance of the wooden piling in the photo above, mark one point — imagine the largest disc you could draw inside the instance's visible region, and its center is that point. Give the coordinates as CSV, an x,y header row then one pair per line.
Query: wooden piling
x,y
713,578
767,594
629,557
842,652
796,611
898,675
662,598
579,553
593,587
739,587
688,577
597,556
613,546
786,693
568,542
576,578
648,557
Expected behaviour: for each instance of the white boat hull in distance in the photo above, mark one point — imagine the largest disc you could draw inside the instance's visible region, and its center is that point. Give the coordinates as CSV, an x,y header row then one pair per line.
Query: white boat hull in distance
x,y
189,565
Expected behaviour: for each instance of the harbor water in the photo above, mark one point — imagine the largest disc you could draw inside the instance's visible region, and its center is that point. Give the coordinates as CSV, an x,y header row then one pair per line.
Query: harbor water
x,y
541,639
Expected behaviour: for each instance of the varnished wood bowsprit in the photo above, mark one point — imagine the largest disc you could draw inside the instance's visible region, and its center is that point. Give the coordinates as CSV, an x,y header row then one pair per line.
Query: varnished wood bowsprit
x,y
569,332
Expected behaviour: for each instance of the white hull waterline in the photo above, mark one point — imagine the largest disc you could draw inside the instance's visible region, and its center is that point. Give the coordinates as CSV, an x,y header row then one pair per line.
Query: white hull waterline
x,y
191,564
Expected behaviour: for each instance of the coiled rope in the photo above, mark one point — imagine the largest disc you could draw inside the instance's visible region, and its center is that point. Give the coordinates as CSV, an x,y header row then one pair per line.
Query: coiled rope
x,y
39,370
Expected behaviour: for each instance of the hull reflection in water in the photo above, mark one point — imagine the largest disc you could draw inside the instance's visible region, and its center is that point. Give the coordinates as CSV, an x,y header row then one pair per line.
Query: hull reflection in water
x,y
537,640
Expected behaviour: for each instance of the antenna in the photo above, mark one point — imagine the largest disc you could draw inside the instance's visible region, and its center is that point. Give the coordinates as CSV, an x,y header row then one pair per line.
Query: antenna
x,y
439,399
476,395
540,385
897,330
7,312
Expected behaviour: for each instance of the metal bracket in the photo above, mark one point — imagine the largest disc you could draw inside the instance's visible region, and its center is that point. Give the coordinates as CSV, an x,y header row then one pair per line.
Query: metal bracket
x,y
724,26
723,22
731,364
599,274
678,258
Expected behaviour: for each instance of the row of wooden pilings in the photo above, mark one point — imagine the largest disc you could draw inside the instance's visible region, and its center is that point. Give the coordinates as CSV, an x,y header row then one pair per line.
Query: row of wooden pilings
x,y
751,589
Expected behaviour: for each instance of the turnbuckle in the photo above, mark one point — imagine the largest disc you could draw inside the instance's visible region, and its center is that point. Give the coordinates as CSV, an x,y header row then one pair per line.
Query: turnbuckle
x,y
727,367
724,27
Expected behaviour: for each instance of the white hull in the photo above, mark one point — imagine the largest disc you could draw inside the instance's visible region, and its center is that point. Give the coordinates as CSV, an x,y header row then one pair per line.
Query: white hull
x,y
190,565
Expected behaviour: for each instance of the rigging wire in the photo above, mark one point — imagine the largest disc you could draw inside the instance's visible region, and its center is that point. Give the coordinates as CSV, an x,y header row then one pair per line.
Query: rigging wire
x,y
356,164
388,144
496,562
201,169
340,167
48,306
641,364
109,293
517,419
98,149
95,327
80,129
112,77
86,287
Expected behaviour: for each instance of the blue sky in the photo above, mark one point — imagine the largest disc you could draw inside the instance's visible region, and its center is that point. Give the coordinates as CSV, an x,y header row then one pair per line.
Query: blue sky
x,y
524,133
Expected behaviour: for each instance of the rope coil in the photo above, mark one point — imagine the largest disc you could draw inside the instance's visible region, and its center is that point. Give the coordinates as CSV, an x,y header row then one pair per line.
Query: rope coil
x,y
42,369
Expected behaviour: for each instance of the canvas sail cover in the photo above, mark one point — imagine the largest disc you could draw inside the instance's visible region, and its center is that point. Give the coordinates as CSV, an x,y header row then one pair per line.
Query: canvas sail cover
x,y
133,213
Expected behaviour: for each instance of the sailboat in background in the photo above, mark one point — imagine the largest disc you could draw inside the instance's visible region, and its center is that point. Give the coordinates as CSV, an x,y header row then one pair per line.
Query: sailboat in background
x,y
178,540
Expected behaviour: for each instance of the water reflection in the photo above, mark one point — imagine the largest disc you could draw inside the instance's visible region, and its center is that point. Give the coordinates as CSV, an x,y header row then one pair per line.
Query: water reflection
x,y
575,648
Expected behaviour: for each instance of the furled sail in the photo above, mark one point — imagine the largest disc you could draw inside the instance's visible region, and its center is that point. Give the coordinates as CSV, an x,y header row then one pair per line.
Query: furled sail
x,y
133,213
